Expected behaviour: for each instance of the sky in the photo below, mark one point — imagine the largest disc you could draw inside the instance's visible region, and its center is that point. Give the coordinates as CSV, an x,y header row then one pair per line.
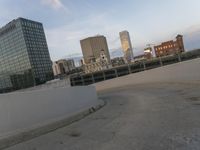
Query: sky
x,y
66,22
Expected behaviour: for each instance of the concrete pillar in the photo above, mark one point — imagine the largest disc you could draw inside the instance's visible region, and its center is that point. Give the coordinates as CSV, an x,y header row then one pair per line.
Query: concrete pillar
x,y
179,58
144,65
72,82
161,64
129,69
83,83
116,74
93,78
104,76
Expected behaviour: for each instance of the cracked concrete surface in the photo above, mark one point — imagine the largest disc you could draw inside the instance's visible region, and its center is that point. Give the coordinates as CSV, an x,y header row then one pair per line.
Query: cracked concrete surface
x,y
136,117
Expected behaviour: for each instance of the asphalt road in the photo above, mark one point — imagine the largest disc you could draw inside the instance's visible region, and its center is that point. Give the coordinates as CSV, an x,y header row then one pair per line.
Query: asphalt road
x,y
137,117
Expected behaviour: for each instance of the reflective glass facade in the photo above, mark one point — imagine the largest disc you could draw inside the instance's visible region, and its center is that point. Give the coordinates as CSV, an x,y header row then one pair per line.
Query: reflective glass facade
x,y
24,55
126,45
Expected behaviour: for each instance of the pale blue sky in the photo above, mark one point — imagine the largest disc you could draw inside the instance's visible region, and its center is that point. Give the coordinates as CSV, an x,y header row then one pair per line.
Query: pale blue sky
x,y
68,21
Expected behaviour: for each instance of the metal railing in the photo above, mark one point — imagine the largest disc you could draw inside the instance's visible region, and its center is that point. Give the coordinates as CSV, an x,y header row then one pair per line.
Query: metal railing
x,y
87,79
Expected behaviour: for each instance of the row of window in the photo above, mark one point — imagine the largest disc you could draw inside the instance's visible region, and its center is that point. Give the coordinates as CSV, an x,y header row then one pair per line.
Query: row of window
x,y
31,24
166,47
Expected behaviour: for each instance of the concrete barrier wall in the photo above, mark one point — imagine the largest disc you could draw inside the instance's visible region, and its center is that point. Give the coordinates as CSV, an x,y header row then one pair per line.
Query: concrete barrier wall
x,y
184,72
23,111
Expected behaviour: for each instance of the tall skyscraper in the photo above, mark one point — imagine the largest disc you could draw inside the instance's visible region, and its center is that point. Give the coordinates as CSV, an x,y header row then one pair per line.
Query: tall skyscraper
x,y
126,45
24,55
92,48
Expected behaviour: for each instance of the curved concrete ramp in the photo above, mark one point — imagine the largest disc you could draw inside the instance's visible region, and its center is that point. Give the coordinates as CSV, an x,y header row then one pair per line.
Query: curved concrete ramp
x,y
137,117
25,115
156,115
183,72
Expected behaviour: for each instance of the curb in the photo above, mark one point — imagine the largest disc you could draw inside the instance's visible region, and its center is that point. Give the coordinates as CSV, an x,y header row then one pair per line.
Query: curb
x,y
38,131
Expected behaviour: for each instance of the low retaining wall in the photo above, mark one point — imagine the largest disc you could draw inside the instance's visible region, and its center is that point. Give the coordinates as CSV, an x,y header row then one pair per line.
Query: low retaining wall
x,y
21,112
183,72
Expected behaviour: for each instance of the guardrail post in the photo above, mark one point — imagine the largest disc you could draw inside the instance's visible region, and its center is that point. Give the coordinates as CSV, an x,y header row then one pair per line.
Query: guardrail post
x,y
179,58
72,82
144,65
116,74
83,83
104,76
93,78
161,63
129,69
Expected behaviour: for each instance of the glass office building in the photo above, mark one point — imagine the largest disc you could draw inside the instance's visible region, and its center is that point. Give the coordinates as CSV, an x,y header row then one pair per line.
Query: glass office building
x,y
24,55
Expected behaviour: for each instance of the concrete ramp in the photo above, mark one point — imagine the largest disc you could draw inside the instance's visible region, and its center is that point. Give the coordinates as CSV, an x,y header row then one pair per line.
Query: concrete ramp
x,y
25,115
183,72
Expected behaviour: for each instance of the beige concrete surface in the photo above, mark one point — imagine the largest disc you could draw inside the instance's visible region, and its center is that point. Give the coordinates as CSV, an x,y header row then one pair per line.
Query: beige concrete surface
x,y
144,111
136,117
183,72
32,133
21,111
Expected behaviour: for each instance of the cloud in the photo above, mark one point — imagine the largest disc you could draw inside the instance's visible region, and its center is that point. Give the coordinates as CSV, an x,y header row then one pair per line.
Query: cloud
x,y
65,40
192,37
56,4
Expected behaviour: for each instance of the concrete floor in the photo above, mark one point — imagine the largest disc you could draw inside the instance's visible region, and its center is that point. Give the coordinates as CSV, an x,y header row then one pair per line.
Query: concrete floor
x,y
136,117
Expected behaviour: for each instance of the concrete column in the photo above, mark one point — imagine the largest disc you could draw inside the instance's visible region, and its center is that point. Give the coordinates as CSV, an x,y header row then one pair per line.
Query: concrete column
x,y
129,69
179,58
83,83
104,76
116,74
161,64
144,65
72,82
93,78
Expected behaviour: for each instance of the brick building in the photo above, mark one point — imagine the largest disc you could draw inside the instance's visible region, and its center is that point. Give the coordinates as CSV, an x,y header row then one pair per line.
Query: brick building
x,y
170,47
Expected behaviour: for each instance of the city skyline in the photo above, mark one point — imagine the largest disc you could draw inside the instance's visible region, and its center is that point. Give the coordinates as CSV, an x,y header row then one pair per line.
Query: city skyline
x,y
65,26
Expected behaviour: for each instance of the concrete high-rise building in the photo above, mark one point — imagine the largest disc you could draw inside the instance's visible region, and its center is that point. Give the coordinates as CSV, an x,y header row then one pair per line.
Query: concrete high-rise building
x,y
92,48
126,45
56,69
63,66
24,55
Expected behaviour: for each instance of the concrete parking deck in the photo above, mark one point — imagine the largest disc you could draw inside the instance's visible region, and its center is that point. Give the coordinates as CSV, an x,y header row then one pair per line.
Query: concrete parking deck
x,y
152,110
142,117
